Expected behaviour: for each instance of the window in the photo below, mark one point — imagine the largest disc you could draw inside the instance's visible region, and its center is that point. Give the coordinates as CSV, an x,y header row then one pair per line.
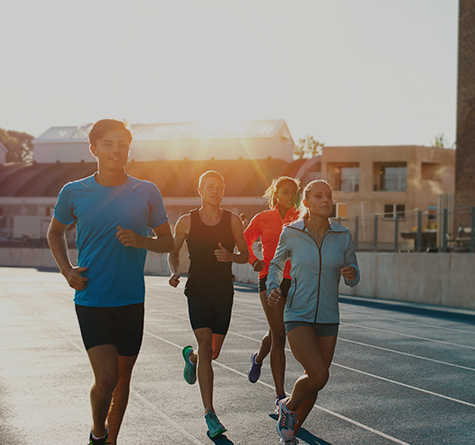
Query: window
x,y
344,177
339,211
390,211
390,177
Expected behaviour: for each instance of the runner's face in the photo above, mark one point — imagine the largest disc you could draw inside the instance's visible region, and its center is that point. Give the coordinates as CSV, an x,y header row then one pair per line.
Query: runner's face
x,y
212,191
286,195
112,150
320,200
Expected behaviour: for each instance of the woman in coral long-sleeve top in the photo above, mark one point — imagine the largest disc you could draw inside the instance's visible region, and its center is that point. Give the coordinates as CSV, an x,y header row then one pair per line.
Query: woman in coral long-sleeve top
x,y
268,224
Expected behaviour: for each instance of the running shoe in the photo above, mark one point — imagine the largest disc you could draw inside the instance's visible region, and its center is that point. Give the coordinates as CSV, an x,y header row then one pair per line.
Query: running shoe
x,y
255,371
189,373
293,441
286,421
215,427
277,400
102,441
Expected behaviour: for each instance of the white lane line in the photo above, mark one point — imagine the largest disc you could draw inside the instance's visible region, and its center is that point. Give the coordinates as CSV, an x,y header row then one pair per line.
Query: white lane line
x,y
235,313
339,339
168,420
408,335
404,385
398,320
340,416
150,405
375,376
405,353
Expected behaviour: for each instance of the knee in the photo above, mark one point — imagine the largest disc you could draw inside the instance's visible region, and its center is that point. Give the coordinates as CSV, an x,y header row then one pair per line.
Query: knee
x,y
216,354
278,340
318,380
107,383
205,352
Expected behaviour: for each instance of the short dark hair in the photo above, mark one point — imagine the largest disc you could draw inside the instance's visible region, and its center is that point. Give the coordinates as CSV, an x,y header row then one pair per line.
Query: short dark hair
x,y
210,174
100,128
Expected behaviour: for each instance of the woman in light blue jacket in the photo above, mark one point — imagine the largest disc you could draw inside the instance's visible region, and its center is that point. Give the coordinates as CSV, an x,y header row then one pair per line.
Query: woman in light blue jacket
x,y
320,251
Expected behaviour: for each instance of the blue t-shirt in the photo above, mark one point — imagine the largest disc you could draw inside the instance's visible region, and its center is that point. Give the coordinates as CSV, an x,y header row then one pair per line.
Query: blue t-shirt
x,y
115,272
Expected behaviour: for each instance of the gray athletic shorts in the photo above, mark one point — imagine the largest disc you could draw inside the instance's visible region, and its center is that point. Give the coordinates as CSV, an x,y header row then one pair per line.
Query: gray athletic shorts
x,y
321,329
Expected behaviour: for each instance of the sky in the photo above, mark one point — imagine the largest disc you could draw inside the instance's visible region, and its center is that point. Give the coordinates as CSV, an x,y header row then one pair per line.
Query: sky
x,y
347,72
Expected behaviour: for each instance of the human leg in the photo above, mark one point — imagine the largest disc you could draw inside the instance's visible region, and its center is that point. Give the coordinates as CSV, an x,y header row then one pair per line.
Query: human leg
x,y
112,337
315,355
120,397
327,346
274,315
209,347
105,365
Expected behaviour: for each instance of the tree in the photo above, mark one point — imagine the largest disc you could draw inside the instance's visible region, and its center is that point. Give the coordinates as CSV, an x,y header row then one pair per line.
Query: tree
x,y
18,144
308,147
441,142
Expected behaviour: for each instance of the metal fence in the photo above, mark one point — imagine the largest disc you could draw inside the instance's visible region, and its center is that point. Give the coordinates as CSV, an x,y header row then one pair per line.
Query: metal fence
x,y
417,231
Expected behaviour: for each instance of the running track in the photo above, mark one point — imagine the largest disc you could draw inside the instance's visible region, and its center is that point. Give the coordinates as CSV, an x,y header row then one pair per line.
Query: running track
x,y
402,373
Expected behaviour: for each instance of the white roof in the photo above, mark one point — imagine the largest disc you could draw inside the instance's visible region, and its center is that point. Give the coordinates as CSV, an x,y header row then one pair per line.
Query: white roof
x,y
175,131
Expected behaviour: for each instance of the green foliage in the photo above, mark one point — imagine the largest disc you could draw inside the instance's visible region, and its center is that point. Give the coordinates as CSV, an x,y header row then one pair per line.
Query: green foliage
x,y
18,145
441,142
308,147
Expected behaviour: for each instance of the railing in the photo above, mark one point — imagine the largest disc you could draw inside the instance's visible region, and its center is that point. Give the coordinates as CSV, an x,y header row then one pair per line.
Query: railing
x,y
417,231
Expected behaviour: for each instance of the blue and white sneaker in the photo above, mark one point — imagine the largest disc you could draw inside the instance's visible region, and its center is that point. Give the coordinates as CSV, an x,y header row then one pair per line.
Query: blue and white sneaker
x,y
286,421
277,401
189,373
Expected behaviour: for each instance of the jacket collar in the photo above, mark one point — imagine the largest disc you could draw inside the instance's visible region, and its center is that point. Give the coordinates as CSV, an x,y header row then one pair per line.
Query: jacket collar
x,y
334,226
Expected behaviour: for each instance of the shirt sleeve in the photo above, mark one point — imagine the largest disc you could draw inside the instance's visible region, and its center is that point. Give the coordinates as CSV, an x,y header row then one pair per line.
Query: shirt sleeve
x,y
158,213
350,260
276,268
251,234
63,209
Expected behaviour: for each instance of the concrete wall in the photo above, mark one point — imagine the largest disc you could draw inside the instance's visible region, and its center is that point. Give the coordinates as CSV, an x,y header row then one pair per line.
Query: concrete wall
x,y
436,279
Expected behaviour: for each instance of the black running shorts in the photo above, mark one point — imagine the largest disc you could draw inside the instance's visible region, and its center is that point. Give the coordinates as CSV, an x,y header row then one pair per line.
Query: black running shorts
x,y
284,286
119,326
210,312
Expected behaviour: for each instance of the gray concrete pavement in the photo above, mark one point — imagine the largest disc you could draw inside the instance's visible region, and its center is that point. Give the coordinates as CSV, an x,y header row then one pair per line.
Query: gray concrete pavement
x,y
402,373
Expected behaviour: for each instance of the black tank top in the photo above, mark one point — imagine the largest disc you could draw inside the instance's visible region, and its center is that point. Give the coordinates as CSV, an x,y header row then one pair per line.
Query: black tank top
x,y
207,277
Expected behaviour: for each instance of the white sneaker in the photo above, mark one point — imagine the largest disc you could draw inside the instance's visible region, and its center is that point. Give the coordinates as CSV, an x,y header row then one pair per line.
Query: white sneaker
x,y
286,421
293,441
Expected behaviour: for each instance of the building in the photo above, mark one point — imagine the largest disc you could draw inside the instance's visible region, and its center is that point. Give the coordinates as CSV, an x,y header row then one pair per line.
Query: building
x,y
387,179
465,166
175,142
366,180
173,156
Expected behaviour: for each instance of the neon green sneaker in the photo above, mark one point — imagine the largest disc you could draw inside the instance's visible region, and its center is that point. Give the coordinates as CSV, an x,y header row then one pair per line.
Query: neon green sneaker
x,y
215,427
189,373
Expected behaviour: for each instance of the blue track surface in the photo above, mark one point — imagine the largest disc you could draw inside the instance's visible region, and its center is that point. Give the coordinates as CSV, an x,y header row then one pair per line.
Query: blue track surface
x,y
402,373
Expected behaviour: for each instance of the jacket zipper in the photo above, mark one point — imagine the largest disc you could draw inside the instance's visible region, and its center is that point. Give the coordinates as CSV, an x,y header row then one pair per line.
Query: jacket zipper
x,y
319,271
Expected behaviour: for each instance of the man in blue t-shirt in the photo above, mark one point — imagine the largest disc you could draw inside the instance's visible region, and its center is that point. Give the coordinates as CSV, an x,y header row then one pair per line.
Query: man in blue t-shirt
x,y
113,213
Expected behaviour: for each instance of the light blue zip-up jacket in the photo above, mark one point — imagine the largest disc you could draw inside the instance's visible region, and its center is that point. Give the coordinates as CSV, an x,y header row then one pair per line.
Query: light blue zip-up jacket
x,y
315,272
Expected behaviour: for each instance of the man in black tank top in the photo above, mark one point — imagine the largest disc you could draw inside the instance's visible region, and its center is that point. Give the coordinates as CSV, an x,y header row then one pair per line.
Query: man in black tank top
x,y
211,233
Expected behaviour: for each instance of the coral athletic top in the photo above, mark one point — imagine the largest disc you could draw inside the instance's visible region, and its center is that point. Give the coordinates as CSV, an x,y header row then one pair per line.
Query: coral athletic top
x,y
268,225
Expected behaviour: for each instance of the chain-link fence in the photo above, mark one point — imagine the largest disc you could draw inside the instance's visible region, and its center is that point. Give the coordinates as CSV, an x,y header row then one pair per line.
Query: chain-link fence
x,y
417,231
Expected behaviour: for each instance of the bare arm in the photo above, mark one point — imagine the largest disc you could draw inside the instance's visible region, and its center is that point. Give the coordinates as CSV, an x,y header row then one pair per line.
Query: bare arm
x,y
161,242
182,230
59,249
224,255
